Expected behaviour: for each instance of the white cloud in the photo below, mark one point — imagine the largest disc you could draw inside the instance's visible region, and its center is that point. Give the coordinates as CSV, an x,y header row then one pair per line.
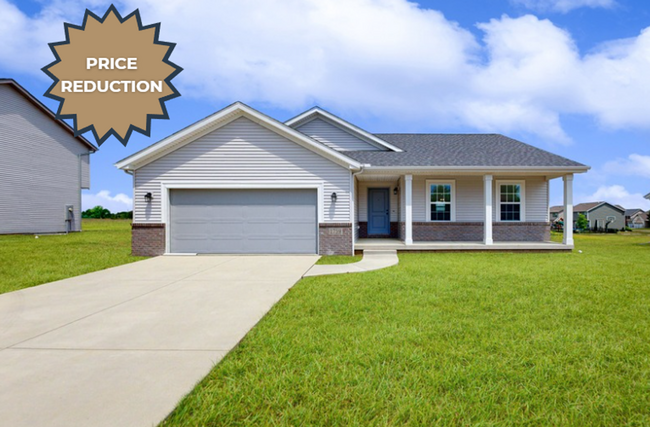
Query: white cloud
x,y
618,195
118,203
634,165
564,6
384,58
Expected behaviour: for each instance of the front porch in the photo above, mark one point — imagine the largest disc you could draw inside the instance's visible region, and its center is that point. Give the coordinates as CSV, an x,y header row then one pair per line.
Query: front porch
x,y
458,211
401,246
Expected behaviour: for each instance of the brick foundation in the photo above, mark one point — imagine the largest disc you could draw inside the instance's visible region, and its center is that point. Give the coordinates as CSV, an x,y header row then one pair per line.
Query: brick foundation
x,y
473,231
147,239
521,231
335,239
363,231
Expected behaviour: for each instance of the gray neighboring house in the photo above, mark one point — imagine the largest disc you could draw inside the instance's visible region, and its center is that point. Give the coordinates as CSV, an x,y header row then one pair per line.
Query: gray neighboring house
x,y
239,181
636,218
556,213
43,166
601,215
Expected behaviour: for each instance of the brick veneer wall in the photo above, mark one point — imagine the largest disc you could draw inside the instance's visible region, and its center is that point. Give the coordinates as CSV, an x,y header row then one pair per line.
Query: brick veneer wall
x,y
363,231
521,231
335,239
473,231
147,239
448,231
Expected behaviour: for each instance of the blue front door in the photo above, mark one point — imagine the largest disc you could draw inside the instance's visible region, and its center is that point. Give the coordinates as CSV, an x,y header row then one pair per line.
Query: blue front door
x,y
378,211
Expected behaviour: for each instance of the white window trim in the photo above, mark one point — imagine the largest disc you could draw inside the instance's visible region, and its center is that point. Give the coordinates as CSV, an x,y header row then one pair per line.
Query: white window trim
x,y
427,197
165,186
497,195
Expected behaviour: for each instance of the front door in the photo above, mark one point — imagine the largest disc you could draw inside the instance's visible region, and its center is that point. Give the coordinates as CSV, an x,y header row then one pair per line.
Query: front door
x,y
378,212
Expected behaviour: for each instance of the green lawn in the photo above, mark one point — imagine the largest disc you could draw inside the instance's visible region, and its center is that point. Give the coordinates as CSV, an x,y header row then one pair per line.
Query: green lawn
x,y
449,339
26,261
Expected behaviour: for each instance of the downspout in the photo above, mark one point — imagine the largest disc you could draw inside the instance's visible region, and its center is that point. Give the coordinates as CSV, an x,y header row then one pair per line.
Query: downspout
x,y
353,201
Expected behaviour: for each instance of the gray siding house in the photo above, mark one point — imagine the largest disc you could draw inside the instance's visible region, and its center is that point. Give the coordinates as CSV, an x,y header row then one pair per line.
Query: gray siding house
x,y
43,166
239,181
601,215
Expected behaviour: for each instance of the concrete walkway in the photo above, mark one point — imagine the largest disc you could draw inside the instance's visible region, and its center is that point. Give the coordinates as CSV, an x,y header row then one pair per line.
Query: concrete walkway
x,y
372,260
121,347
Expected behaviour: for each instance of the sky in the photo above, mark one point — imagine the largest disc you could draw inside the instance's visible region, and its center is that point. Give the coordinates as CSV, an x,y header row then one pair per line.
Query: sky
x,y
568,76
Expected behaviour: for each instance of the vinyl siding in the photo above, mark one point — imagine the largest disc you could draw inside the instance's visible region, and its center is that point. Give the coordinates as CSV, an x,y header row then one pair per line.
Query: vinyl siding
x,y
242,151
39,169
334,137
470,206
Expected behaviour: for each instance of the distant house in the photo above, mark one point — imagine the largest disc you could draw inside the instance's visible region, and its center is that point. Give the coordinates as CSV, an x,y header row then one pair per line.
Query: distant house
x,y
647,196
601,215
43,166
555,213
636,218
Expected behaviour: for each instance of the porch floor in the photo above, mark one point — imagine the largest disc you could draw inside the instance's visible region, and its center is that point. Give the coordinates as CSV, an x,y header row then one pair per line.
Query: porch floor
x,y
398,245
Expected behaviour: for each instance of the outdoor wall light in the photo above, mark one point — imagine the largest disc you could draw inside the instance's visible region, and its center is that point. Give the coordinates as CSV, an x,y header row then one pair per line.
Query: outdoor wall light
x,y
148,197
334,196
395,190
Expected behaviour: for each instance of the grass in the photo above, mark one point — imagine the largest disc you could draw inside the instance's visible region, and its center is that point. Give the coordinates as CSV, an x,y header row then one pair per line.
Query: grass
x,y
481,339
26,261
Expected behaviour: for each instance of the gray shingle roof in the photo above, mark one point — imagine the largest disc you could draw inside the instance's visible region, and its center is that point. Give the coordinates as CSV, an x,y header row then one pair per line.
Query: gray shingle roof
x,y
459,150
630,212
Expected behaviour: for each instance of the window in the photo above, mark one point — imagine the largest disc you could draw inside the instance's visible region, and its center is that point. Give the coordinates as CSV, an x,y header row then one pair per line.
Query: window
x,y
440,196
511,200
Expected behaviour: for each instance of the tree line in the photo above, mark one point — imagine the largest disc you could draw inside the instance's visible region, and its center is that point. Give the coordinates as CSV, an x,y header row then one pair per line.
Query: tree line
x,y
101,212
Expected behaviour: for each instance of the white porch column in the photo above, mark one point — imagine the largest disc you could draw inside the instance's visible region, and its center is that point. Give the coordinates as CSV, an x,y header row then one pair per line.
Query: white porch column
x,y
408,209
568,209
487,224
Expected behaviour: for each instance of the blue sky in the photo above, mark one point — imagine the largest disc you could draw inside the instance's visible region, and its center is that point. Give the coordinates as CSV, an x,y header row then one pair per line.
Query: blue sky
x,y
569,76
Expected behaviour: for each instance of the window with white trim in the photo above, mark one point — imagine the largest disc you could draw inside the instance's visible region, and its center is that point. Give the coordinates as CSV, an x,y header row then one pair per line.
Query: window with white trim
x,y
441,200
511,196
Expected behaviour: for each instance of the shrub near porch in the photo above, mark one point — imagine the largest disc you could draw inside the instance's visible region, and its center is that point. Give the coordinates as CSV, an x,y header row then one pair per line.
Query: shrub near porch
x,y
449,339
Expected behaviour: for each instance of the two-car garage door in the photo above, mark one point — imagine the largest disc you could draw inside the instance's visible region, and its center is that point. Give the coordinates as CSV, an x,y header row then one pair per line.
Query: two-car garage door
x,y
244,221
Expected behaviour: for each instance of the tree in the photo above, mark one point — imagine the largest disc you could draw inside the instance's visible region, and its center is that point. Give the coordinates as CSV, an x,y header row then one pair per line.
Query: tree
x,y
96,212
582,223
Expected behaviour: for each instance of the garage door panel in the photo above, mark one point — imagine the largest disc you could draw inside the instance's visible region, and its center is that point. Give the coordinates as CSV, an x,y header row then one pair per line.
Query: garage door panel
x,y
243,221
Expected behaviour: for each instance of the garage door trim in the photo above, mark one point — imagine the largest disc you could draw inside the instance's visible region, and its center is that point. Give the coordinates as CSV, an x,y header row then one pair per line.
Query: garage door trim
x,y
166,186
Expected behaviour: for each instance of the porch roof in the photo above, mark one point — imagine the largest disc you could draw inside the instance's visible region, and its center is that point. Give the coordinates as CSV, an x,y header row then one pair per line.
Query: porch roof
x,y
461,150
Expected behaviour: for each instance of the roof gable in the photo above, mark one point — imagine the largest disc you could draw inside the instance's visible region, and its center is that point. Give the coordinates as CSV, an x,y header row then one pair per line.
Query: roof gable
x,y
220,119
345,126
590,206
40,106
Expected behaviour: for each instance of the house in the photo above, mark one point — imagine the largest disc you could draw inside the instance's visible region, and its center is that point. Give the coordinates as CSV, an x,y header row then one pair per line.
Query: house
x,y
43,166
239,181
636,218
556,213
601,215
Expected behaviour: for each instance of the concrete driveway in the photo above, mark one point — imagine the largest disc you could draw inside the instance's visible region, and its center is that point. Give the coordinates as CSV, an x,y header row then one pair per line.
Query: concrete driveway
x,y
121,347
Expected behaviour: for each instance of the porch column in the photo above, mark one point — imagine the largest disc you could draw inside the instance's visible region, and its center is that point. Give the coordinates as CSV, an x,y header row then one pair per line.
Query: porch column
x,y
487,224
568,209
408,209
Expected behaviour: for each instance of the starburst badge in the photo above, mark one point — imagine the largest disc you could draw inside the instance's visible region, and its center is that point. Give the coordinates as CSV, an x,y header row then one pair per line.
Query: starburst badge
x,y
112,75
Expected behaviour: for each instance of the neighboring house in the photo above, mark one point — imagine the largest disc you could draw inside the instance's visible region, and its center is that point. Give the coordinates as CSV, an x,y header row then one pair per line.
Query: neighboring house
x,y
43,166
636,218
647,196
601,215
556,213
239,181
